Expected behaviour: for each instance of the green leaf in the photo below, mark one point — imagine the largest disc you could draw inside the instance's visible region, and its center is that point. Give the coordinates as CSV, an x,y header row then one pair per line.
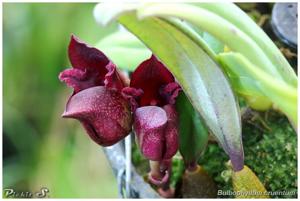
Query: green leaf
x,y
283,95
214,44
193,33
247,88
240,19
193,135
219,27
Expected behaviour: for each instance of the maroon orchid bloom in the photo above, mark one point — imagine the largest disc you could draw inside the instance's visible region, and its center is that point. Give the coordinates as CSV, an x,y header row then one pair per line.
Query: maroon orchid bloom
x,y
152,94
97,101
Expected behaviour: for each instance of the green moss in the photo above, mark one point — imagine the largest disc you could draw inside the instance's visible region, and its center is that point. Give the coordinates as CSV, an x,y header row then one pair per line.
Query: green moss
x,y
177,171
274,156
271,154
214,162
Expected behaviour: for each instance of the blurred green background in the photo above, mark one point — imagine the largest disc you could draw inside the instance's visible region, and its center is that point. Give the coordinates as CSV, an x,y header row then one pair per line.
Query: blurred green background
x,y
40,148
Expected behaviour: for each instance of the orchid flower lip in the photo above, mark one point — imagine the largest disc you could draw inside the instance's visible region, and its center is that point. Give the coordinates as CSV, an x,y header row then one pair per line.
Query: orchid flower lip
x,y
152,116
66,115
104,113
150,123
157,131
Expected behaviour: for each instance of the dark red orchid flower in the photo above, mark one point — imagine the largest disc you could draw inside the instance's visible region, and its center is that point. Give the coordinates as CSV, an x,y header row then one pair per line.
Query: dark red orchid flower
x,y
152,93
97,101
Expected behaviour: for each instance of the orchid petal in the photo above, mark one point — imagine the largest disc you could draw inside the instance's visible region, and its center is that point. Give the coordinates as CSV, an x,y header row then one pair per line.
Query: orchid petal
x,y
133,95
170,92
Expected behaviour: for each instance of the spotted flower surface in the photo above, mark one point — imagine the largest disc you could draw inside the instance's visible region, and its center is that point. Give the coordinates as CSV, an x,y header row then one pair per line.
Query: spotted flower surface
x,y
97,101
152,94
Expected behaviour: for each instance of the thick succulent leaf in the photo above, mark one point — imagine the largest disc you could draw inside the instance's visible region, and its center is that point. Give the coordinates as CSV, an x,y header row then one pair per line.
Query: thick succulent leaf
x,y
236,16
222,29
195,34
199,76
213,43
122,43
193,134
283,95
